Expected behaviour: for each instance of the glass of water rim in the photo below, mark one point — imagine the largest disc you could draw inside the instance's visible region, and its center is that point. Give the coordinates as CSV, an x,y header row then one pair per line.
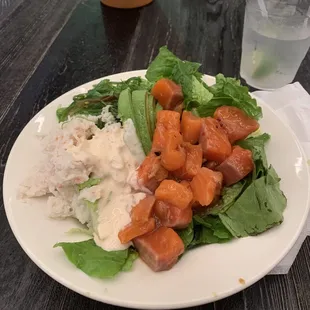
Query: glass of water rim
x,y
276,38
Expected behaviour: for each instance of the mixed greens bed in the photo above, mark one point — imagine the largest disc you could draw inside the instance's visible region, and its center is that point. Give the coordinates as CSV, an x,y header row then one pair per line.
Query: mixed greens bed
x,y
247,208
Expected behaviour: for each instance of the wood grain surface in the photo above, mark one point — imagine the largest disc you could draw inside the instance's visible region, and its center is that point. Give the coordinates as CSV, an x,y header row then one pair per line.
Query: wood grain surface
x,y
48,47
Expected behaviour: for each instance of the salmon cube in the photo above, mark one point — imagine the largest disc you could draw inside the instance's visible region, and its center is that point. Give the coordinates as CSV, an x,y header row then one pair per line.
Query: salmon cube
x,y
174,193
166,121
142,212
134,230
237,166
171,216
186,183
173,155
190,127
206,185
151,172
235,122
160,249
211,165
214,141
192,164
179,108
167,93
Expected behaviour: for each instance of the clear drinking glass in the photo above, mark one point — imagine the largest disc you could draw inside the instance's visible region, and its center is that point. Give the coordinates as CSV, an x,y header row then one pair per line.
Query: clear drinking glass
x,y
276,38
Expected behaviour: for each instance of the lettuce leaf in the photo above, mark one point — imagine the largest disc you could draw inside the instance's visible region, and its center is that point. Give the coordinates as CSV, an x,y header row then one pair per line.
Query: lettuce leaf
x,y
184,73
202,230
77,230
209,229
259,208
132,256
165,65
229,91
226,91
187,234
229,195
96,262
89,183
257,146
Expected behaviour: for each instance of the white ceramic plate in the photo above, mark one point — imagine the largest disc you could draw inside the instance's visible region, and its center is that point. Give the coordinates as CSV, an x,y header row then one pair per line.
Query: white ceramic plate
x,y
203,275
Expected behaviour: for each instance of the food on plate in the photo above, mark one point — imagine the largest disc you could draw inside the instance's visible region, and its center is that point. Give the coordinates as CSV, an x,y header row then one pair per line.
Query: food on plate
x,y
155,167
214,141
168,94
166,122
172,216
175,193
192,163
151,172
190,127
160,249
235,122
206,185
237,166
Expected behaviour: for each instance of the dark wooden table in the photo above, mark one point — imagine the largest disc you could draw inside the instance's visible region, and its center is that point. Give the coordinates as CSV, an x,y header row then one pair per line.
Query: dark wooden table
x,y
48,47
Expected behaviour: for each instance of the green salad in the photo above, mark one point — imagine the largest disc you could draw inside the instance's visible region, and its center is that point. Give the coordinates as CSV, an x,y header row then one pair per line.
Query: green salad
x,y
246,208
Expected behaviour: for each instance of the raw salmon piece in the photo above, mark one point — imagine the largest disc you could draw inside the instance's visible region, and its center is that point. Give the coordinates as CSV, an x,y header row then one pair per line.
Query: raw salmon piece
x,y
211,165
160,249
166,121
179,108
167,93
235,122
206,185
175,193
134,230
214,141
238,165
151,172
187,184
173,155
190,127
142,212
171,216
192,164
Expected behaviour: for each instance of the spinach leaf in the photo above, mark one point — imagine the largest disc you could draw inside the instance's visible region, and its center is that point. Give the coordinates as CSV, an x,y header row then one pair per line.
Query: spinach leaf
x,y
95,261
89,183
229,91
259,208
87,106
109,88
104,93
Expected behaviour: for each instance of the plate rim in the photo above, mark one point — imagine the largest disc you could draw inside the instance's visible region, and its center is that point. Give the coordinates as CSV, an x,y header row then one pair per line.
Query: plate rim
x,y
134,304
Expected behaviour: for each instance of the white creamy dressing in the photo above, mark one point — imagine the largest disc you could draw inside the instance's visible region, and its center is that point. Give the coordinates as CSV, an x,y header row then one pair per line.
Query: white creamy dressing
x,y
79,150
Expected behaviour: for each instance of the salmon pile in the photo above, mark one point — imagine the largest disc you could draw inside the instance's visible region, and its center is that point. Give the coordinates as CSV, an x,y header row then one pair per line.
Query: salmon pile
x,y
191,159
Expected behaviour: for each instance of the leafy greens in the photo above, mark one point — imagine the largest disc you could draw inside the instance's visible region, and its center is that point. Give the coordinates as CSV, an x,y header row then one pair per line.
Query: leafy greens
x,y
95,261
105,93
89,183
226,91
246,208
